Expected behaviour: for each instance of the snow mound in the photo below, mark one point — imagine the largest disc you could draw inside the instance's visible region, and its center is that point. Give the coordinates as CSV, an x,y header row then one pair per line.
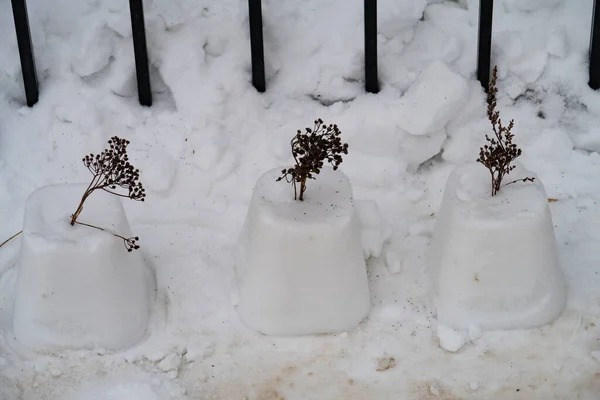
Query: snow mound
x,y
301,268
78,287
433,100
494,260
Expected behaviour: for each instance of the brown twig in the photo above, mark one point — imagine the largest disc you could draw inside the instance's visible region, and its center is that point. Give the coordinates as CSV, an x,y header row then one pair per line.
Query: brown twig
x,y
11,238
528,179
130,243
499,152
111,169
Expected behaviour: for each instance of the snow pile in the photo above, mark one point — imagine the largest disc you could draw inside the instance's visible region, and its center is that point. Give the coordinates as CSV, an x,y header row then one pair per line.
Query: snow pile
x,y
438,93
78,287
494,260
209,136
301,269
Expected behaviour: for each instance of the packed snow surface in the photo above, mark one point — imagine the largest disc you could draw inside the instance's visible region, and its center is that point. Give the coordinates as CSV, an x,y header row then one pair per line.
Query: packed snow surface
x,y
208,138
301,268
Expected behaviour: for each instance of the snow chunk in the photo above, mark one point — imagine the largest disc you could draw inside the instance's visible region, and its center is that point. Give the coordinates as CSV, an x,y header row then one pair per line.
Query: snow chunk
x,y
301,268
558,43
94,48
530,68
392,261
474,332
450,340
395,16
431,102
475,280
418,149
374,230
77,286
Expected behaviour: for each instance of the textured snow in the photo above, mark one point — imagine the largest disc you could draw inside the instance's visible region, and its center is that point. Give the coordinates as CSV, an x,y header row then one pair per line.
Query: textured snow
x,y
437,93
209,136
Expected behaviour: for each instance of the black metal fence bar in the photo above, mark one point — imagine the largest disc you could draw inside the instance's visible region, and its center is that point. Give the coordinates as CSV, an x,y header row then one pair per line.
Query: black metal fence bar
x,y
371,76
25,51
142,69
484,53
594,69
256,45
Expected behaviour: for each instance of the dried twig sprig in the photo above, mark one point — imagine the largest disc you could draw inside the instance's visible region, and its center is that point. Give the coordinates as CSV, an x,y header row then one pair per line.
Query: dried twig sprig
x,y
499,152
311,149
111,171
129,242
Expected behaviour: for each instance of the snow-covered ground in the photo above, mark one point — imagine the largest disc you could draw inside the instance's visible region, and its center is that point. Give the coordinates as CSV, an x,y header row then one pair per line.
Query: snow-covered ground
x,y
210,135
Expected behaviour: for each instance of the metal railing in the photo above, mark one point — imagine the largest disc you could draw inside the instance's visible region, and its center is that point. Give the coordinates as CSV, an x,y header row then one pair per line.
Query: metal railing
x,y
484,45
30,80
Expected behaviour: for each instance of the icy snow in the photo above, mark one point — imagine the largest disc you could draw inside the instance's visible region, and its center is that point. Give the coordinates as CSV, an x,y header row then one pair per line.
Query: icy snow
x,y
209,136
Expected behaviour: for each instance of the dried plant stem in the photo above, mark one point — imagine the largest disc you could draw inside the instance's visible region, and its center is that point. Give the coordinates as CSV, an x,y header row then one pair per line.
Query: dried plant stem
x,y
88,192
129,242
11,238
528,179
302,189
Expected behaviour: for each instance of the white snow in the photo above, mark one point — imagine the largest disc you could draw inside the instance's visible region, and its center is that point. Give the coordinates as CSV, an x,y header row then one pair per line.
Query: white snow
x,y
209,136
301,269
438,93
558,43
494,259
78,287
450,339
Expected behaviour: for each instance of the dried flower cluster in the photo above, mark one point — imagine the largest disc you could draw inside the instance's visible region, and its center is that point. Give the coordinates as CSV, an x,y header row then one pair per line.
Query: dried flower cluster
x,y
311,149
112,171
500,151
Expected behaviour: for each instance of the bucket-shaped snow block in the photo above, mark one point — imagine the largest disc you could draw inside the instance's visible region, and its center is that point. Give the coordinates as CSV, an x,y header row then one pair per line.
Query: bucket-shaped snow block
x,y
77,286
301,268
493,259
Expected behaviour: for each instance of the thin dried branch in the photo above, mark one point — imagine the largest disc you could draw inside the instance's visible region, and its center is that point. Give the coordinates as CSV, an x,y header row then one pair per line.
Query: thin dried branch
x,y
112,171
500,151
129,242
11,238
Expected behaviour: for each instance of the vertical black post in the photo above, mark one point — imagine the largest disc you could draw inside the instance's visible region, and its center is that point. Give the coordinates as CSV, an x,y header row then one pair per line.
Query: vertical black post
x,y
25,51
371,79
256,45
484,51
142,69
594,70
